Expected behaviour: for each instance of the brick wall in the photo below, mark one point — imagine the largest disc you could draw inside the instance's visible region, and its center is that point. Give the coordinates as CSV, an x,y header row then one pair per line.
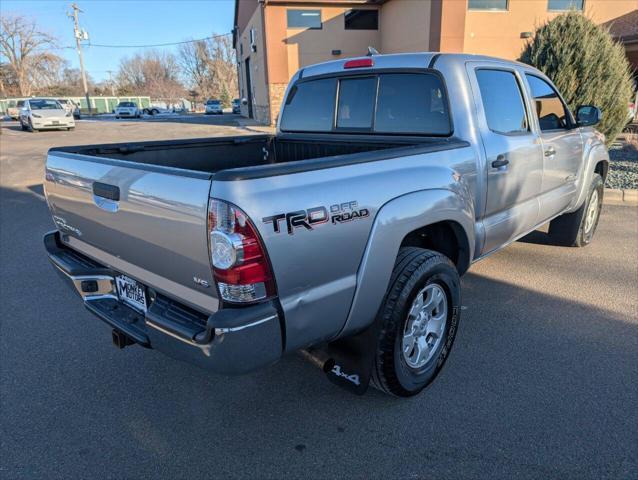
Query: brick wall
x,y
277,92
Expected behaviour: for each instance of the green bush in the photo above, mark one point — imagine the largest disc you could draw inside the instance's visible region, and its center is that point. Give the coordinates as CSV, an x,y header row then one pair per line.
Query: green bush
x,y
587,66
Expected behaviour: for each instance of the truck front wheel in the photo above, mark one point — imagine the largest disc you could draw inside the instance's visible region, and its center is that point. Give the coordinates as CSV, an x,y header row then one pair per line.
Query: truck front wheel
x,y
419,319
577,229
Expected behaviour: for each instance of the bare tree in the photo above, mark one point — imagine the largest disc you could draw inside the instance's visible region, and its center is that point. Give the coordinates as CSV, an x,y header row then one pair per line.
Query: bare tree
x,y
209,67
25,53
151,73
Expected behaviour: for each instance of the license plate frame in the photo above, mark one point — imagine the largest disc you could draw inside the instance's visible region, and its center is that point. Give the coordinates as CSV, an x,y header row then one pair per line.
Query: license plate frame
x,y
131,292
55,122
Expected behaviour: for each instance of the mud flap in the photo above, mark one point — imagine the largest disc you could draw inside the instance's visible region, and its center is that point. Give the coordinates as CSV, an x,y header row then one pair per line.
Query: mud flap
x,y
350,360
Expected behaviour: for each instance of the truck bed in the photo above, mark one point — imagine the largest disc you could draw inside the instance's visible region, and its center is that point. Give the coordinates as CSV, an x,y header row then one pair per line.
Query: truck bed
x,y
212,155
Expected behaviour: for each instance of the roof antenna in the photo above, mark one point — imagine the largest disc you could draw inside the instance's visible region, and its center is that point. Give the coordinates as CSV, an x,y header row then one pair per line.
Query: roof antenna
x,y
372,51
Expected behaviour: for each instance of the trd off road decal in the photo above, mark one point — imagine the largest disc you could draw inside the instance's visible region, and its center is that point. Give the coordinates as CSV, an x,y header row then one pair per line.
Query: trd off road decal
x,y
308,219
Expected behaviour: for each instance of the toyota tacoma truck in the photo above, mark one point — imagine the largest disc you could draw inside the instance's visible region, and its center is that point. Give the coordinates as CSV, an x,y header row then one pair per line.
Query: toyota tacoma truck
x,y
343,235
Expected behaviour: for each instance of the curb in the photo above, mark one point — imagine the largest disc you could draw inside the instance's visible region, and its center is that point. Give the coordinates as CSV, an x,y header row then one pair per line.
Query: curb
x,y
615,196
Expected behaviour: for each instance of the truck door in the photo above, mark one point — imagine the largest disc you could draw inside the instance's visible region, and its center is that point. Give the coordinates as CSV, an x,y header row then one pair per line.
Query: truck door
x,y
513,153
562,147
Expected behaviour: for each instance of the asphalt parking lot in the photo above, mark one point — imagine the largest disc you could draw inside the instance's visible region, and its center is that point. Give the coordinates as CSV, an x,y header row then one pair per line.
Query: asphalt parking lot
x,y
542,382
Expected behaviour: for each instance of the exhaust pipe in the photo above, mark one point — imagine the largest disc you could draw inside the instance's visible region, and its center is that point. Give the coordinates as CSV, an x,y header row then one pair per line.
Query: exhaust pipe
x,y
121,340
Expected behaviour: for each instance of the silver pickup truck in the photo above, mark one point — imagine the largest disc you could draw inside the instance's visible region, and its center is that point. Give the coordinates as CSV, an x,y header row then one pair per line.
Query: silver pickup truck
x,y
344,235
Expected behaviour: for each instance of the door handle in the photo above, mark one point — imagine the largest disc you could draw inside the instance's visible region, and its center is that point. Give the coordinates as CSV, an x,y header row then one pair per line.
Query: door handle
x,y
550,152
500,161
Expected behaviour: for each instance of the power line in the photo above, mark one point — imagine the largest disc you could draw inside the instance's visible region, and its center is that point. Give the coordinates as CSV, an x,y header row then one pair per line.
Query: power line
x,y
158,44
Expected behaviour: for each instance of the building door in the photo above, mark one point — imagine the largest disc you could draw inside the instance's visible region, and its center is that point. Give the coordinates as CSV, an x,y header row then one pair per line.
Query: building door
x,y
249,88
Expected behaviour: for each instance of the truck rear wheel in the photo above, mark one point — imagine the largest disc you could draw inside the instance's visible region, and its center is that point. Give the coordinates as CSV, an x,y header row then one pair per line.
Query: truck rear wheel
x,y
577,229
419,319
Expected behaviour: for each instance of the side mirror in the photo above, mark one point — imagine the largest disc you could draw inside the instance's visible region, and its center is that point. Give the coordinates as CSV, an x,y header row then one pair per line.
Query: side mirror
x,y
588,116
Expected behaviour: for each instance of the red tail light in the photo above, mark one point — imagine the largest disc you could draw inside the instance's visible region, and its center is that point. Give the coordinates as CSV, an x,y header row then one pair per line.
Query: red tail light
x,y
238,258
359,63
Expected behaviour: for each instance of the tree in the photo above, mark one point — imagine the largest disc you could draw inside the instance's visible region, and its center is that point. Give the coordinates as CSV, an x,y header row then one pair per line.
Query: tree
x,y
151,73
586,65
209,67
25,54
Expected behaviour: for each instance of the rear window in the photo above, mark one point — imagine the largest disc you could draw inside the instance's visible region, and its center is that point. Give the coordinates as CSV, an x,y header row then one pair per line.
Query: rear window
x,y
310,106
213,102
401,103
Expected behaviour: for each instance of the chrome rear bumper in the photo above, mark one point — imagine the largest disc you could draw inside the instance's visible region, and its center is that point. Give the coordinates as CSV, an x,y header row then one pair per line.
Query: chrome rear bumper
x,y
230,341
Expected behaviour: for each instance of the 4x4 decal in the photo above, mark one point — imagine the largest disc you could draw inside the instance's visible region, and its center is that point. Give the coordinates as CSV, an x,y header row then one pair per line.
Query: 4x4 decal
x,y
308,219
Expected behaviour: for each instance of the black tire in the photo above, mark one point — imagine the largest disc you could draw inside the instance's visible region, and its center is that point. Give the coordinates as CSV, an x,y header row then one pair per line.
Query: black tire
x,y
23,126
572,229
116,117
30,127
415,269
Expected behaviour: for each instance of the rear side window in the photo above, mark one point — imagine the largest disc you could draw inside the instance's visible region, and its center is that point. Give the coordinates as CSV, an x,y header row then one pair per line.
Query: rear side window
x,y
502,101
310,106
552,114
401,103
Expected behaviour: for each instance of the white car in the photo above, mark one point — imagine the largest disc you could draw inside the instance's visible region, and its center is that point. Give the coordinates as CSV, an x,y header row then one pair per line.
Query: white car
x,y
127,110
214,106
44,114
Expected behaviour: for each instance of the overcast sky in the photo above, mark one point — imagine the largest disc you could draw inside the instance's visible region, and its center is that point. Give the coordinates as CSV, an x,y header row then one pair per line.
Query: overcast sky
x,y
125,22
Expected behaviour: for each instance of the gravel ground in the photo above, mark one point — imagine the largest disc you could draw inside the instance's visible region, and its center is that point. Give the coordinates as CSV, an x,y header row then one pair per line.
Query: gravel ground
x,y
623,171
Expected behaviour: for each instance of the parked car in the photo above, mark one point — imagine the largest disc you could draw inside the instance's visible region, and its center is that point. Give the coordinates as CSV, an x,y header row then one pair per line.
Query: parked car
x,y
344,234
14,109
156,110
70,106
127,110
44,114
214,107
236,105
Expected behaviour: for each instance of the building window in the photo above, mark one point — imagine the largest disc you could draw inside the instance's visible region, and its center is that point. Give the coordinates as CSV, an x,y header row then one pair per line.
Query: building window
x,y
502,101
304,18
565,4
362,20
487,4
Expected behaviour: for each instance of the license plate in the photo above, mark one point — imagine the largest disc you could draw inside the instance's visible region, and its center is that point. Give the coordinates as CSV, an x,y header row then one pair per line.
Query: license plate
x,y
131,292
56,122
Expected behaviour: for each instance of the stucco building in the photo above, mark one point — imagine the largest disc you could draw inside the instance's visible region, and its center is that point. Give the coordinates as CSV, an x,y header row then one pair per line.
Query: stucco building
x,y
274,38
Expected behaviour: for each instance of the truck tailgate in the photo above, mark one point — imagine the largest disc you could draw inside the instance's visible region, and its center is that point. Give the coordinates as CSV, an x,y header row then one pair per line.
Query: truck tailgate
x,y
147,221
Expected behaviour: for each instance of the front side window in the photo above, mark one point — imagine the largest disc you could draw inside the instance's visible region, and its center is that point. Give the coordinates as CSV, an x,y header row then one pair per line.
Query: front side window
x,y
552,113
565,4
362,20
389,103
487,4
304,18
502,101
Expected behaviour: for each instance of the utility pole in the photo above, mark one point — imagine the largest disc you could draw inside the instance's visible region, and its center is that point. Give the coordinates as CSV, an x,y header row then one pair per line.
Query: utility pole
x,y
80,35
110,72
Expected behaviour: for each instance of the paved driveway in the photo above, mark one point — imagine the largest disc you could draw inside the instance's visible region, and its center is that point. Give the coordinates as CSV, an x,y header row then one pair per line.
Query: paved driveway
x,y
542,382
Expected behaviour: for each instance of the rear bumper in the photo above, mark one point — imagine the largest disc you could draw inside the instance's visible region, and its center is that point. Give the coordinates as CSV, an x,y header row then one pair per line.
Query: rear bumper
x,y
230,341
